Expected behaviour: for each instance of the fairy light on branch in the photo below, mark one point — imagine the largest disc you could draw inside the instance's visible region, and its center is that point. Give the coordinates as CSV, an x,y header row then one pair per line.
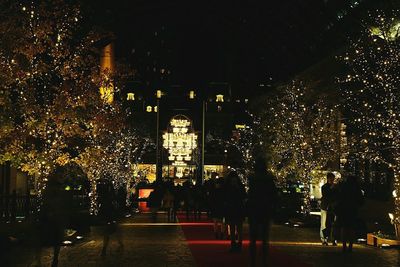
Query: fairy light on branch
x,y
371,91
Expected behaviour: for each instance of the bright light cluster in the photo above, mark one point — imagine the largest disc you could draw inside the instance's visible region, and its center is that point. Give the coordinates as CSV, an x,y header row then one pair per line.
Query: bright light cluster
x,y
371,91
180,141
302,135
52,113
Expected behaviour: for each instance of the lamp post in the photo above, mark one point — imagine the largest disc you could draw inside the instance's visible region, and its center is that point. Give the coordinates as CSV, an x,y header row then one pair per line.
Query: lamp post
x,y
203,126
158,171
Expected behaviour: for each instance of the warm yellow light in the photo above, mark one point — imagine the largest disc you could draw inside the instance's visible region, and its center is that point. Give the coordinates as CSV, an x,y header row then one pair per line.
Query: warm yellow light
x,y
159,93
155,109
130,96
179,142
107,93
149,109
220,98
191,95
240,126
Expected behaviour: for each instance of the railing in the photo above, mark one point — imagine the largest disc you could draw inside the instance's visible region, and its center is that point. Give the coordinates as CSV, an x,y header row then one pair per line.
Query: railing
x,y
13,206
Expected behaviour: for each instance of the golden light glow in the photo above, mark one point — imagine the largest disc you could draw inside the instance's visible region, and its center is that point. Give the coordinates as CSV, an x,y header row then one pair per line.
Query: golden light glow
x,y
107,67
240,126
107,93
159,93
191,95
220,98
130,96
149,109
180,140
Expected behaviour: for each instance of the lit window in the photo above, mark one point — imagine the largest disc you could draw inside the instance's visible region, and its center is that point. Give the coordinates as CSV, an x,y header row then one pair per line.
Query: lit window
x,y
155,109
191,95
130,96
149,109
220,98
159,94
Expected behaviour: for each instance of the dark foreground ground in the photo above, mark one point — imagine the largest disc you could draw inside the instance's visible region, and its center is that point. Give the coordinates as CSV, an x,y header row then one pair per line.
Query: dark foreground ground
x,y
148,244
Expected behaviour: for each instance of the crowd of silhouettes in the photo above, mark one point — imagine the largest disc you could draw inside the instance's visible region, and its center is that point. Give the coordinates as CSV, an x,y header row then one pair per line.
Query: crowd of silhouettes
x,y
226,201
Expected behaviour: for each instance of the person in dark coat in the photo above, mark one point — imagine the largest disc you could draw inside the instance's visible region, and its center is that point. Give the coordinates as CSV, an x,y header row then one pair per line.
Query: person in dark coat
x,y
216,198
54,214
108,214
260,204
350,200
154,201
234,208
328,202
168,203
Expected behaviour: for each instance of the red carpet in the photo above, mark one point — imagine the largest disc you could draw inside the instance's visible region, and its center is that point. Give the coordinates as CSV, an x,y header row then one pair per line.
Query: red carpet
x,y
209,252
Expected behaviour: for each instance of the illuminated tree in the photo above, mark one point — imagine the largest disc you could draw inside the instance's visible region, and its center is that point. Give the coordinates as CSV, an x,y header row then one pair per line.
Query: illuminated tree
x,y
371,90
247,143
300,134
52,113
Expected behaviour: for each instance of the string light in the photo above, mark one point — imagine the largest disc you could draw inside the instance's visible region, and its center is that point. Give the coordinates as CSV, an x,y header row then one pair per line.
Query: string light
x,y
371,92
301,135
52,112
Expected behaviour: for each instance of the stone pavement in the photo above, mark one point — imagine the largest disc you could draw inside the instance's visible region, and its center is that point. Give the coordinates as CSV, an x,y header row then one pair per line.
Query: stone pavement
x,y
304,244
158,245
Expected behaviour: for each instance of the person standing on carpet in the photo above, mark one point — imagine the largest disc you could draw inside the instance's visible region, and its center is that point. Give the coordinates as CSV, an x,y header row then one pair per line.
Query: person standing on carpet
x,y
168,203
216,199
262,197
235,195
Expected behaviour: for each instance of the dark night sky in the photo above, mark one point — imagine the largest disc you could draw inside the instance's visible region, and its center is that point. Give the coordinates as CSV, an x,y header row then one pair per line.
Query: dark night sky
x,y
243,43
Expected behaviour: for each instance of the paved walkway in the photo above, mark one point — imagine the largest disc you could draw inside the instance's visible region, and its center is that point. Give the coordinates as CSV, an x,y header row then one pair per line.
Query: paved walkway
x,y
162,244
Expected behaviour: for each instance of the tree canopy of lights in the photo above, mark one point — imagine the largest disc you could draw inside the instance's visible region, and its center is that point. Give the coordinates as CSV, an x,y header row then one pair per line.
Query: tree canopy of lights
x,y
51,111
247,144
301,135
371,91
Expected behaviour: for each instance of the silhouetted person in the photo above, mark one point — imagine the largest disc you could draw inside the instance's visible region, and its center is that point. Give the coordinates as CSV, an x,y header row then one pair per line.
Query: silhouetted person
x,y
328,201
168,204
197,195
108,214
260,205
350,200
177,201
54,214
189,199
234,208
216,208
154,202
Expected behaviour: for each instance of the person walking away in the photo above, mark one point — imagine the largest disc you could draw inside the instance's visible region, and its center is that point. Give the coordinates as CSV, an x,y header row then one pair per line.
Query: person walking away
x,y
154,202
168,203
328,201
177,201
54,214
235,195
108,215
262,197
216,208
350,200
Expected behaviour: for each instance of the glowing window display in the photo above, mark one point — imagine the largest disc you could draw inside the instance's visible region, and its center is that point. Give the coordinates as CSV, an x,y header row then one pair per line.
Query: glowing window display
x,y
180,140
